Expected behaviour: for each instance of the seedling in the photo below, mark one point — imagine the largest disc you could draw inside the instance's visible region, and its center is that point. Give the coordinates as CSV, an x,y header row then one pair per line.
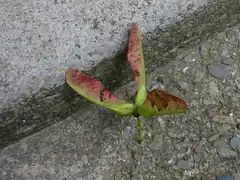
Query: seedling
x,y
146,104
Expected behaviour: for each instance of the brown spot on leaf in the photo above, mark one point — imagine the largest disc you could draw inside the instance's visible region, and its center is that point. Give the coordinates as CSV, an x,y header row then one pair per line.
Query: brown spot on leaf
x,y
101,95
157,99
136,72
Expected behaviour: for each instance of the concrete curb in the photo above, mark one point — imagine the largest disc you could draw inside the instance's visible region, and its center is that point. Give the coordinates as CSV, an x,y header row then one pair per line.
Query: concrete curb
x,y
52,105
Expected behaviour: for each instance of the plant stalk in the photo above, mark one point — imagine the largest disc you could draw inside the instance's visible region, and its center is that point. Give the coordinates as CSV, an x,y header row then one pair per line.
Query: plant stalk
x,y
140,129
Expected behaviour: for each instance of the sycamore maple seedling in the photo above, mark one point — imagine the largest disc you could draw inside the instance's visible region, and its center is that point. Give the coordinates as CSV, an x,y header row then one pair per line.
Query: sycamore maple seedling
x,y
146,104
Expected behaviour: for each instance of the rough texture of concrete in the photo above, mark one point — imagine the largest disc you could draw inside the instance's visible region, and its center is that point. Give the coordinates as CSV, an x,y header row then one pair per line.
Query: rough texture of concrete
x,y
96,145
50,106
40,39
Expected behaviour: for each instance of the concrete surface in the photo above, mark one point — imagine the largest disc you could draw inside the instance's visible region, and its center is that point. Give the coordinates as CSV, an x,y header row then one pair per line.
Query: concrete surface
x,y
55,134
49,106
203,144
39,39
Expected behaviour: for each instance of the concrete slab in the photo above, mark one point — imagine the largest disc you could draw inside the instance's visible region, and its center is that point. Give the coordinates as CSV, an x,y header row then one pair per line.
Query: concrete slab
x,y
49,106
40,39
95,145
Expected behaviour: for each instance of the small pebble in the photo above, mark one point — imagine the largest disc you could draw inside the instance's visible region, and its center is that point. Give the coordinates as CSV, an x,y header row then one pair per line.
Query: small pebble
x,y
183,150
157,142
105,110
199,146
212,111
227,61
127,132
208,101
213,137
185,69
236,176
186,86
200,75
235,143
182,164
176,133
220,143
78,52
224,127
226,152
224,177
137,156
218,70
224,119
85,159
226,109
213,88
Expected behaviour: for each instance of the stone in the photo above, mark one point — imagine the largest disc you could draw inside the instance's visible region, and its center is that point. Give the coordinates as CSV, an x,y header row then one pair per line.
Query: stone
x,y
226,177
224,127
235,143
199,146
208,101
182,164
200,75
218,71
212,111
137,156
226,152
85,159
104,110
213,137
186,69
176,133
220,143
224,119
127,132
227,61
236,176
186,86
226,109
213,88
157,142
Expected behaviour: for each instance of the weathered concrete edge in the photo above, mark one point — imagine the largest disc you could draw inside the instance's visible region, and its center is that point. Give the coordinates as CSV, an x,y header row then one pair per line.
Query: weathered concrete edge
x,y
52,105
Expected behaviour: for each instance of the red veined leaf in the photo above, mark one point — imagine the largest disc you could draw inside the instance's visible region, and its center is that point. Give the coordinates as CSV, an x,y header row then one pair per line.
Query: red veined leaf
x,y
94,91
135,55
90,87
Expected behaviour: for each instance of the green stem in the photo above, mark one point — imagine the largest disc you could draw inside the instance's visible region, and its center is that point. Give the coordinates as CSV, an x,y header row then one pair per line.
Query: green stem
x,y
140,129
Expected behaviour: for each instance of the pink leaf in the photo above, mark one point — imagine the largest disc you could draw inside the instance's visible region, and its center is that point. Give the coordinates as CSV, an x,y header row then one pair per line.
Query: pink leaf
x,y
135,55
89,87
